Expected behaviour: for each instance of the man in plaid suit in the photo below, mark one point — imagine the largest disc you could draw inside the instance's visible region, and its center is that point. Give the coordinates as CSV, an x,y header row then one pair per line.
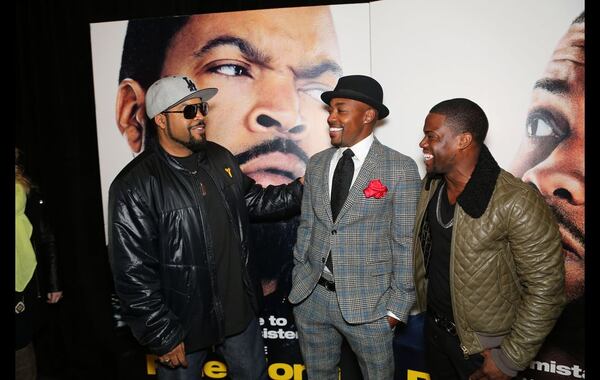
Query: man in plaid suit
x,y
353,267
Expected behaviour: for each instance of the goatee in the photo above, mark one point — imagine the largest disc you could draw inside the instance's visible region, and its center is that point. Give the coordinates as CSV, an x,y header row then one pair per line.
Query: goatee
x,y
196,145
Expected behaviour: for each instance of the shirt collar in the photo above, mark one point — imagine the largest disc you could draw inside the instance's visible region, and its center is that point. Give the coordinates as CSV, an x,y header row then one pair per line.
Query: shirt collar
x,y
360,149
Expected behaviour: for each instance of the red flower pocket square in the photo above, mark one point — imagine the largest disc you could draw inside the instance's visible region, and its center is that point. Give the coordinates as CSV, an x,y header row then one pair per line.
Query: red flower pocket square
x,y
375,189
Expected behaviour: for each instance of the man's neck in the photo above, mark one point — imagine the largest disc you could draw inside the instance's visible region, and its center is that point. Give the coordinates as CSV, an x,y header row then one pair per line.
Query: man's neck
x,y
174,148
457,179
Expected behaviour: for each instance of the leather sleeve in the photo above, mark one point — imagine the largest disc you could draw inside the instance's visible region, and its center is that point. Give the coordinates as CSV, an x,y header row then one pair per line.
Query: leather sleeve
x,y
272,203
44,242
536,247
135,265
264,204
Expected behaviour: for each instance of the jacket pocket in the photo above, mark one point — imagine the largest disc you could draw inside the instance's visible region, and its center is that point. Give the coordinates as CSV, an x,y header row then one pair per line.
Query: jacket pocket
x,y
178,288
380,268
507,277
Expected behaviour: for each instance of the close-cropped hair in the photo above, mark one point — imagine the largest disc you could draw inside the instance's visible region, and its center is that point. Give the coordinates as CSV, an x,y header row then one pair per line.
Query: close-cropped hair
x,y
145,46
464,115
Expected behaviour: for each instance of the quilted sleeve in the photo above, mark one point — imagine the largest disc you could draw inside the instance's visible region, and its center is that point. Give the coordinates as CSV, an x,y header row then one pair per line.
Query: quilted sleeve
x,y
536,248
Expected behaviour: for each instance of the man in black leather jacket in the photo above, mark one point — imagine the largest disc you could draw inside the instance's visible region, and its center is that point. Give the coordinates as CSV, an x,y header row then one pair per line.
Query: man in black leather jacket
x,y
178,244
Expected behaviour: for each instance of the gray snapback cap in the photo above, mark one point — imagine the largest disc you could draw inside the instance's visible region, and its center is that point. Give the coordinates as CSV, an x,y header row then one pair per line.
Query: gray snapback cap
x,y
168,92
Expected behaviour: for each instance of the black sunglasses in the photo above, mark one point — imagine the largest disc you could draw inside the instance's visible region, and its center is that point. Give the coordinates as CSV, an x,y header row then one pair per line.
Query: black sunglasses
x,y
191,110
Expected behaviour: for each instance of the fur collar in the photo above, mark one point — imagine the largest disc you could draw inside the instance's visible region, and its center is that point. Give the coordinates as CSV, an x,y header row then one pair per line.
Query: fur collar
x,y
477,193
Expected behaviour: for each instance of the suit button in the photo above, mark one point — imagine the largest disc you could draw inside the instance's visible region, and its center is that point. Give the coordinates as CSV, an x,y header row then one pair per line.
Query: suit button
x,y
333,232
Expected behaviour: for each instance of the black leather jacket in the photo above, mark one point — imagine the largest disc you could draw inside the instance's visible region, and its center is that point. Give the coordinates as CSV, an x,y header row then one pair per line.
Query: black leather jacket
x,y
161,257
42,238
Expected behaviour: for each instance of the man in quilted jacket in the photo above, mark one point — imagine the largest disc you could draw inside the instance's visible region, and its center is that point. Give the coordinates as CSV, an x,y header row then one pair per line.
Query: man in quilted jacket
x,y
487,254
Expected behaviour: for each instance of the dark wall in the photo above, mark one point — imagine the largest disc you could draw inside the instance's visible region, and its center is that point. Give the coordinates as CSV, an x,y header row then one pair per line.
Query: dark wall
x,y
55,128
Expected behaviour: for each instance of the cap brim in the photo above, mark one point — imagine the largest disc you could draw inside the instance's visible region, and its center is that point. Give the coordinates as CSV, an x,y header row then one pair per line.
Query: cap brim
x,y
382,110
205,94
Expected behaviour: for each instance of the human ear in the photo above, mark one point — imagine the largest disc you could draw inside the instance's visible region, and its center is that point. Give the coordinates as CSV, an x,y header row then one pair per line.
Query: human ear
x,y
160,121
465,140
131,113
369,116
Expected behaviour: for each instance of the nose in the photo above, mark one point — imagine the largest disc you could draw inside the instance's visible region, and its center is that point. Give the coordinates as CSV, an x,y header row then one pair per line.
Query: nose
x,y
559,179
277,107
331,118
422,143
198,115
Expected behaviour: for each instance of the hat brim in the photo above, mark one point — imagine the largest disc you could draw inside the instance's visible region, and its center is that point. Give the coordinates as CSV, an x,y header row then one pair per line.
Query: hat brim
x,y
382,110
205,94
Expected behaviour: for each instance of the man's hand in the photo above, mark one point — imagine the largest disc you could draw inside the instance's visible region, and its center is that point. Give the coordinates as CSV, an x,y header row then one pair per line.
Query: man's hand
x,y
488,370
54,297
175,357
392,321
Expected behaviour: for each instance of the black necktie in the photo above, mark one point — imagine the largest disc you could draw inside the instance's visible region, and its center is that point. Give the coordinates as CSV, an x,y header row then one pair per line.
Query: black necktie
x,y
342,178
340,185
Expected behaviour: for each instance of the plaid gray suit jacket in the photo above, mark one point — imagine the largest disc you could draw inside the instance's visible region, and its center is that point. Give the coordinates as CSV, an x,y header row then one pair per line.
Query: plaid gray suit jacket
x,y
371,241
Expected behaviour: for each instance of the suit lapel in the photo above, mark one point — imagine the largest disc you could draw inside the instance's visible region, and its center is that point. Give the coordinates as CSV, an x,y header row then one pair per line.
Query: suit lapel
x,y
323,182
363,178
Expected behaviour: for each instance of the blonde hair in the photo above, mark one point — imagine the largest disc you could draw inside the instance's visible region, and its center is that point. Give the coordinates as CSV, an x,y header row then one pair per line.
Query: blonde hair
x,y
20,172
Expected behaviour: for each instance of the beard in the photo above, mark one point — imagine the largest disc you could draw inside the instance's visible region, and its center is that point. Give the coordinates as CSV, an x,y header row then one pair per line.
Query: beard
x,y
192,143
196,145
573,241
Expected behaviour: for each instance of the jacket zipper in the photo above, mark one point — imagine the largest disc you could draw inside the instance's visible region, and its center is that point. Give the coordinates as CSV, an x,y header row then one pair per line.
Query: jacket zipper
x,y
209,251
463,348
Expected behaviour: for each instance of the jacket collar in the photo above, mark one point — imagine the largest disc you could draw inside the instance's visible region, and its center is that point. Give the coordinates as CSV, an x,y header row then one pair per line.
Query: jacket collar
x,y
170,160
477,193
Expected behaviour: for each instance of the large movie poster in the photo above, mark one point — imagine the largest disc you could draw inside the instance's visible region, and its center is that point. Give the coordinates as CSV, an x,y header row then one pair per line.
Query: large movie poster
x,y
270,67
521,61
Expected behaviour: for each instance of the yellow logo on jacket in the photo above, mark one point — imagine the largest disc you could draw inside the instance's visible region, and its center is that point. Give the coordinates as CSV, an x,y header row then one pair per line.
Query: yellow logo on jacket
x,y
228,171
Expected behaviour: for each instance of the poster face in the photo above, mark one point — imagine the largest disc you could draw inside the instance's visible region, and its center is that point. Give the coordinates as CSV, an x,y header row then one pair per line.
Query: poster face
x,y
521,61
319,55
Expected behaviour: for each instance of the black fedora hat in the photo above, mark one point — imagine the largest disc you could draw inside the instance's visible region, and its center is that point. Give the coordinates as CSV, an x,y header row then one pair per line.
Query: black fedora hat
x,y
359,87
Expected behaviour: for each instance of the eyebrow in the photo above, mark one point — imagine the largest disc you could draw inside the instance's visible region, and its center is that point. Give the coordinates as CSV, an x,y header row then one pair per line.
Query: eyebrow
x,y
249,50
256,56
556,86
314,71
